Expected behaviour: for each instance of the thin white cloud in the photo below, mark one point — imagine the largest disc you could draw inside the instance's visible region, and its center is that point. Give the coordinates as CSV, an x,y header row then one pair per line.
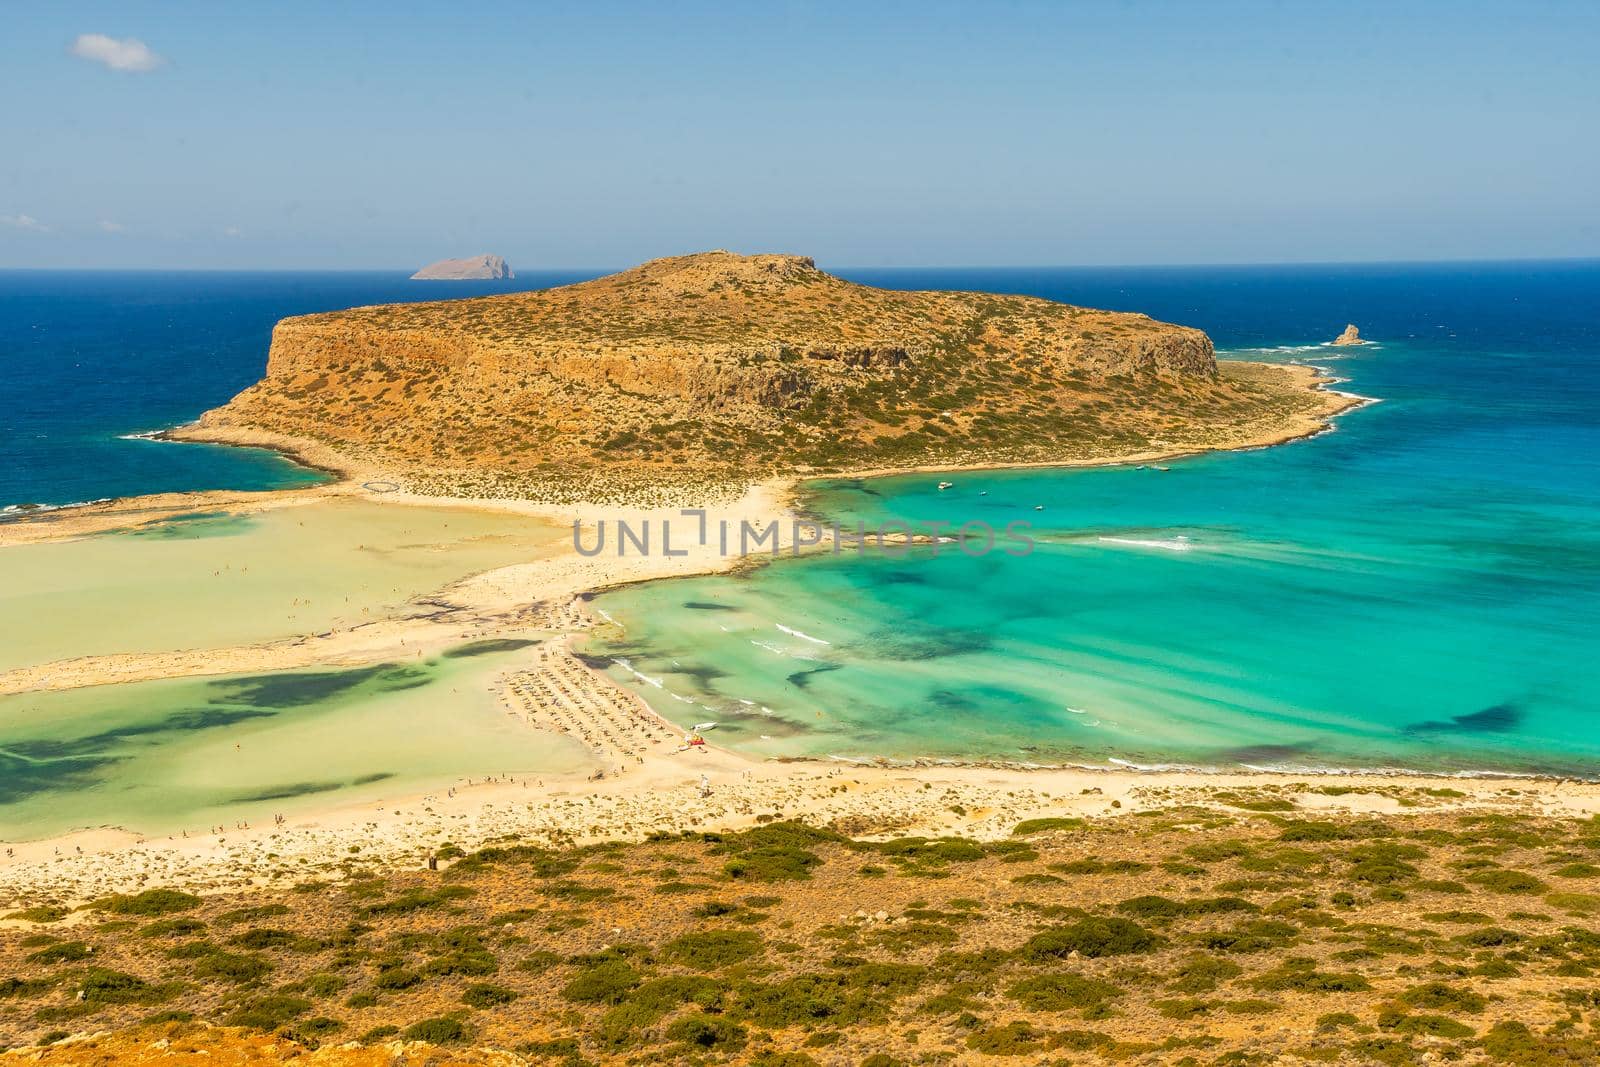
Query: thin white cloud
x,y
112,227
233,231
125,54
24,222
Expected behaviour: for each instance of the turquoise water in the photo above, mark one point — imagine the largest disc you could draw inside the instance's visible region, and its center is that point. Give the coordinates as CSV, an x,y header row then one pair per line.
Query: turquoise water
x,y
189,753
1420,588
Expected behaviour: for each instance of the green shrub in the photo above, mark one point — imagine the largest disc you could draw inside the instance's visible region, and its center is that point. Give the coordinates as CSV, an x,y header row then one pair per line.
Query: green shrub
x,y
1489,937
1061,992
1301,976
1201,974
809,999
417,900
1439,996
393,977
711,909
263,938
1574,903
485,995
437,1031
317,1026
24,987
1512,882
713,949
1099,866
269,1012
708,1031
1308,830
1578,870
1091,937
1398,1022
1152,907
936,849
604,983
1039,826
150,902
1514,1043
62,952
231,967
173,928
97,985
1012,1039
469,963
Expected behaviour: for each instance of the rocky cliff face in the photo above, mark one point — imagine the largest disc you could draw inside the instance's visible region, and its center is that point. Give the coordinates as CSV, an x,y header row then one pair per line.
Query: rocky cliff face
x,y
457,270
718,358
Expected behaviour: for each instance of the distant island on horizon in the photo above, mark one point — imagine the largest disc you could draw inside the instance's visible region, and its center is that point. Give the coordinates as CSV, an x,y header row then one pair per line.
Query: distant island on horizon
x,y
471,268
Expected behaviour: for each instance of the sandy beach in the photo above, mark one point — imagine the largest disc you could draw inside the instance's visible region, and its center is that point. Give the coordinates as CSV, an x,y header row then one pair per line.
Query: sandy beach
x,y
643,778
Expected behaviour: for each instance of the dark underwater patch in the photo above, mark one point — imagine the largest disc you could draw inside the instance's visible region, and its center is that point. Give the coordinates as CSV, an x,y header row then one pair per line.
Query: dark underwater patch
x,y
187,526
304,789
1495,719
899,577
92,745
802,679
949,700
929,644
704,605
403,678
21,777
295,688
486,647
285,792
705,676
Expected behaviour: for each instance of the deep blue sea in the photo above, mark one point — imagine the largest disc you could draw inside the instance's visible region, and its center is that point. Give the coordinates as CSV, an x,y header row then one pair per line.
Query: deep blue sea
x,y
88,358
1419,588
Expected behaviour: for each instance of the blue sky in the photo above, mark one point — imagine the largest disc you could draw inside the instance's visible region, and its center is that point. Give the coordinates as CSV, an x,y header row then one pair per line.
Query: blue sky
x,y
866,133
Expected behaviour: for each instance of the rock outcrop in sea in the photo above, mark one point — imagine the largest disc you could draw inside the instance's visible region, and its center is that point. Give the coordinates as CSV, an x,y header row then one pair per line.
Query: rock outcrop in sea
x,y
1351,336
469,269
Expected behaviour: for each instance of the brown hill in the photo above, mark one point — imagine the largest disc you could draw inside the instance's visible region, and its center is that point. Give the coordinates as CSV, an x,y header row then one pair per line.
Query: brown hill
x,y
724,367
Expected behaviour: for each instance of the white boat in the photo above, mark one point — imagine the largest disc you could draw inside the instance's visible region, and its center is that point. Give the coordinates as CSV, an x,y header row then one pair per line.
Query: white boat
x,y
702,727
945,485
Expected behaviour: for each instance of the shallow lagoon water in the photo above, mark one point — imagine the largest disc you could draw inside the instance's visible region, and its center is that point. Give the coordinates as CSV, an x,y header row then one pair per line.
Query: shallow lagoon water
x,y
1419,589
164,756
213,579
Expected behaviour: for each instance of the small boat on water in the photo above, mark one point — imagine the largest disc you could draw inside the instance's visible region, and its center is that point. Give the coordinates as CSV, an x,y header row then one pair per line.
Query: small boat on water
x,y
702,727
945,485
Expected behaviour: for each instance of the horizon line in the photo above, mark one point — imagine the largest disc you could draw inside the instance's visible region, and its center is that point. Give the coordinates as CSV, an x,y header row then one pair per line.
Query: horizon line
x,y
1190,265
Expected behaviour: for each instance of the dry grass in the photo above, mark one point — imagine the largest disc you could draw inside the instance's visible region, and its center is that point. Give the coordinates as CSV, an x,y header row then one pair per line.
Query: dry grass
x,y
1183,934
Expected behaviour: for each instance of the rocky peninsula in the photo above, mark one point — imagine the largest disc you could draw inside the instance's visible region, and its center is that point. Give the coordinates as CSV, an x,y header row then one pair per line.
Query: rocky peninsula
x,y
723,369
